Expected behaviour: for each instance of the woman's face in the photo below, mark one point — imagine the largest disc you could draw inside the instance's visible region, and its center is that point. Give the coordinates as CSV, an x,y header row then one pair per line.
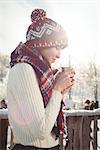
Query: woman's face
x,y
50,54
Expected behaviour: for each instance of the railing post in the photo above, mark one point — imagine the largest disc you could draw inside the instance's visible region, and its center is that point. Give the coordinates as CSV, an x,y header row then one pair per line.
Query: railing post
x,y
86,130
95,134
79,129
3,133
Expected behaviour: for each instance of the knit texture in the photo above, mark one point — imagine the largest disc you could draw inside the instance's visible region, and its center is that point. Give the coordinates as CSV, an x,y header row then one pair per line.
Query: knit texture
x,y
45,32
30,122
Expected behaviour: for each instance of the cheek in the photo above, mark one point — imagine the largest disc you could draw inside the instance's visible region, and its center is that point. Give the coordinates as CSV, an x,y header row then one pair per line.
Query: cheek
x,y
53,53
50,54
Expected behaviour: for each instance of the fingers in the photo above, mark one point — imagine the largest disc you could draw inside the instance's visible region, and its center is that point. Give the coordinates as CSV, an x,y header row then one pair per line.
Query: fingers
x,y
65,91
68,70
64,80
69,75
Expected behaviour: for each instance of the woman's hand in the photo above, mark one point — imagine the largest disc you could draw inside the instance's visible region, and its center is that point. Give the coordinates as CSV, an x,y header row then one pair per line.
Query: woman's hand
x,y
64,80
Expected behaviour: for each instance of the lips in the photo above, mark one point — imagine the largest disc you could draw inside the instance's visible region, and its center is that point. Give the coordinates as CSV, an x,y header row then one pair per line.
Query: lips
x,y
52,60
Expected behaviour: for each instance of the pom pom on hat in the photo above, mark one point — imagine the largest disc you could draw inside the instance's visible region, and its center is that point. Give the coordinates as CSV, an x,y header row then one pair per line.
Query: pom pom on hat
x,y
38,14
45,32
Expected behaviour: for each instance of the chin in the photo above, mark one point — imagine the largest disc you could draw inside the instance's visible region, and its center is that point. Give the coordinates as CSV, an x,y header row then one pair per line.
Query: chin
x,y
51,62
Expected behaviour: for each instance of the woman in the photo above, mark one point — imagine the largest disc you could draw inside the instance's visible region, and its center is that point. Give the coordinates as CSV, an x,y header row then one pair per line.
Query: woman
x,y
35,91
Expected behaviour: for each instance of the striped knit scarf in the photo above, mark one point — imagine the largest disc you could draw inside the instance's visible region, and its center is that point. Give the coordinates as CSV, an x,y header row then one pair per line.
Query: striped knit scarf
x,y
24,54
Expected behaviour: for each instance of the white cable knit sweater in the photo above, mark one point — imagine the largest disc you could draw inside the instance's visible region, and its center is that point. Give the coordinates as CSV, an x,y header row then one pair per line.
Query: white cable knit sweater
x,y
30,122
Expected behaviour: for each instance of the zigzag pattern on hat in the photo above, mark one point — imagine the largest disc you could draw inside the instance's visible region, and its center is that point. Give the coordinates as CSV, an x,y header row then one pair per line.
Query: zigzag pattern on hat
x,y
39,34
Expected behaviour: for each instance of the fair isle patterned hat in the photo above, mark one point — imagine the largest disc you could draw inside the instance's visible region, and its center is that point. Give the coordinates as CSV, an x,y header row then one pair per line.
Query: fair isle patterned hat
x,y
44,32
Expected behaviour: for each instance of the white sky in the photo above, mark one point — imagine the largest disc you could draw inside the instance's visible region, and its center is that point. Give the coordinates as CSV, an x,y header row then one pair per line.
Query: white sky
x,y
80,18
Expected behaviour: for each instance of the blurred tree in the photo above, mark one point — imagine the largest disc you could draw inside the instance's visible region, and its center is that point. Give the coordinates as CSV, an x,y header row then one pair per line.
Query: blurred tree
x,y
91,76
94,78
87,82
4,66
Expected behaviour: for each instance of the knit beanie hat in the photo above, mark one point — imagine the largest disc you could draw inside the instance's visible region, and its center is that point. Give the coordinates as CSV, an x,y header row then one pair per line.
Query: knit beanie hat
x,y
44,32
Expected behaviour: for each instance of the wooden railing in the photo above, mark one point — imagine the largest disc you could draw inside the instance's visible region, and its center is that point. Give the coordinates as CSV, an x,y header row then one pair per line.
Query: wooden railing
x,y
3,128
82,128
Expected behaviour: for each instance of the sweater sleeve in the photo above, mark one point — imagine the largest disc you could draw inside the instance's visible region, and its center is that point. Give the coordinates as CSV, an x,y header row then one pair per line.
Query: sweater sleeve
x,y
25,89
